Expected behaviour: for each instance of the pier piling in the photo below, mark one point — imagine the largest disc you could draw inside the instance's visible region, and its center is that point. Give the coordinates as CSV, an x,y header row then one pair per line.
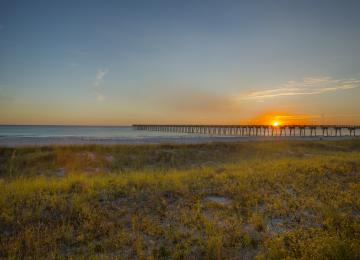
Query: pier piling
x,y
256,130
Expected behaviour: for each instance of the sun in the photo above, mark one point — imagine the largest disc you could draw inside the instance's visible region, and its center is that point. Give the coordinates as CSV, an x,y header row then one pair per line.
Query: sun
x,y
275,123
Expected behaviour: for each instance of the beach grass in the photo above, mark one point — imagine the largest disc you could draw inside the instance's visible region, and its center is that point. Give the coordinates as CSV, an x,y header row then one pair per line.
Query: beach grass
x,y
264,200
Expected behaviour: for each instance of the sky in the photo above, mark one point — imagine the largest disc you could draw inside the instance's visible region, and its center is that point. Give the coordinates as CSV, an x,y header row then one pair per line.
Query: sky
x,y
195,62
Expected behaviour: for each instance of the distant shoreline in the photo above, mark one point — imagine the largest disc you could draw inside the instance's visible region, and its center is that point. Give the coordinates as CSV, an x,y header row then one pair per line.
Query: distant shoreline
x,y
45,141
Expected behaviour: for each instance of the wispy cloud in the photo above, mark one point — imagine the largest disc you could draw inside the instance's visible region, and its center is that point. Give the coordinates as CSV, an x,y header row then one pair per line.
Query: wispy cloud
x,y
169,102
100,74
98,84
308,86
197,101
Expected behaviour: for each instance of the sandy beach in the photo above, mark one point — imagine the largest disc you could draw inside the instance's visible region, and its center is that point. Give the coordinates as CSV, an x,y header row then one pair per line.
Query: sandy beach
x,y
44,141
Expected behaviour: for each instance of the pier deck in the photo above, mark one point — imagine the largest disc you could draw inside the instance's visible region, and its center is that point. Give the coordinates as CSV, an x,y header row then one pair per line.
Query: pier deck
x,y
256,130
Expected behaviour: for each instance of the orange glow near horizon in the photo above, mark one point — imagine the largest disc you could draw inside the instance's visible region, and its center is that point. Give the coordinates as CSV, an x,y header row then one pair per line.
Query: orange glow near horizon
x,y
281,118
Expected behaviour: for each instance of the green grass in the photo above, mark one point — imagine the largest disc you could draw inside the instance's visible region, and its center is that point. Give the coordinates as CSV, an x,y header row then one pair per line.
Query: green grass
x,y
265,200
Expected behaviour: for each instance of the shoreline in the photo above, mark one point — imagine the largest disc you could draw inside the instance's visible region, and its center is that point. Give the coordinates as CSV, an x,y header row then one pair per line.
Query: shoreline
x,y
45,141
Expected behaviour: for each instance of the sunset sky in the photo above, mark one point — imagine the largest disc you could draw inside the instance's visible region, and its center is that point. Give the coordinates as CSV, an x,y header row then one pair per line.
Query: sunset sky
x,y
220,62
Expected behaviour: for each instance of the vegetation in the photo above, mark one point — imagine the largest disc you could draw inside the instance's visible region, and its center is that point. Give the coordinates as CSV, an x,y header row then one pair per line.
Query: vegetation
x,y
265,200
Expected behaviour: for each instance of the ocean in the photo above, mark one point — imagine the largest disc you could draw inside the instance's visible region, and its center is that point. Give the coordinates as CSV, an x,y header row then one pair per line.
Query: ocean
x,y
29,135
86,132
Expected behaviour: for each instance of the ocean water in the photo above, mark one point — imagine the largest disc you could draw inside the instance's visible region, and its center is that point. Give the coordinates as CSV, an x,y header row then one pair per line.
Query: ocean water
x,y
11,135
84,132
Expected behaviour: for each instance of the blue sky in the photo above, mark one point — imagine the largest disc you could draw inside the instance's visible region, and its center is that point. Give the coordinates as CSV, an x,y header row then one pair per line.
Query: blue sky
x,y
123,62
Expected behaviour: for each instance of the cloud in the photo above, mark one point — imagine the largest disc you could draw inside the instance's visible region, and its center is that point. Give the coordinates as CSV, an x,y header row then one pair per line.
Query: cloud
x,y
308,86
100,74
187,104
197,101
99,89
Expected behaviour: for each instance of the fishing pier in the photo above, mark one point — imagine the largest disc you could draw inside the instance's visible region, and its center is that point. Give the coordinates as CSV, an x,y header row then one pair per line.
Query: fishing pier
x,y
256,130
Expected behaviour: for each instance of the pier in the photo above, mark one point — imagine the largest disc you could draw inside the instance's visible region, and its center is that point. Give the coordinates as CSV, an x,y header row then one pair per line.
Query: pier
x,y
256,130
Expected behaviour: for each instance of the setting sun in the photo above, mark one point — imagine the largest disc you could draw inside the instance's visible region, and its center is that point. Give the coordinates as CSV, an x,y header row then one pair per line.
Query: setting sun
x,y
276,123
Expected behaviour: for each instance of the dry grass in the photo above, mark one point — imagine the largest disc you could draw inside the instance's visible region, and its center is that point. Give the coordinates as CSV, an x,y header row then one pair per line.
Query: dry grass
x,y
266,200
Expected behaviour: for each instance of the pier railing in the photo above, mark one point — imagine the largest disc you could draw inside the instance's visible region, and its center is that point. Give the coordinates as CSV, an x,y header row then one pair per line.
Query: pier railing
x,y
256,130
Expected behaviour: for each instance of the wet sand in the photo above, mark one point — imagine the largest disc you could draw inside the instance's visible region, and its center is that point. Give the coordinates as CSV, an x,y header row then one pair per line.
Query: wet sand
x,y
44,141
